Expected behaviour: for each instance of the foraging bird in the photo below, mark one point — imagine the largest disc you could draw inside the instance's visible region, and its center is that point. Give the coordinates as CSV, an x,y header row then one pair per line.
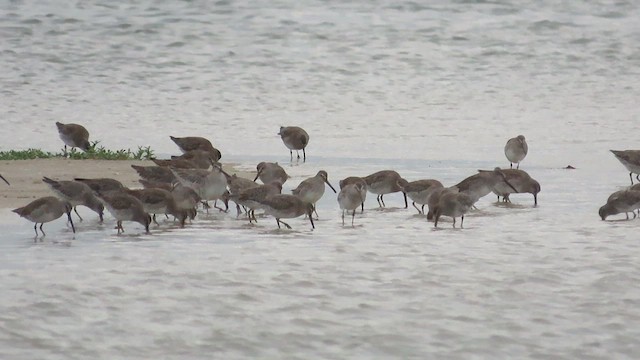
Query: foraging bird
x,y
251,197
201,158
124,207
631,160
294,138
102,184
284,206
76,193
356,180
176,163
516,150
482,183
159,201
521,180
419,191
453,204
350,198
311,190
210,185
44,210
155,173
191,143
623,201
73,135
384,182
269,172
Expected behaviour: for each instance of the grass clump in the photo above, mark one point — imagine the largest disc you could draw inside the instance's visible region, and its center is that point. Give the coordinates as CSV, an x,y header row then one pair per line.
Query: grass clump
x,y
95,152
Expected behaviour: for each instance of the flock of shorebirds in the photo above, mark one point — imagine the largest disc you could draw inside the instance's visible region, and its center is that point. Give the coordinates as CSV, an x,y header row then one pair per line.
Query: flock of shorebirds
x,y
179,185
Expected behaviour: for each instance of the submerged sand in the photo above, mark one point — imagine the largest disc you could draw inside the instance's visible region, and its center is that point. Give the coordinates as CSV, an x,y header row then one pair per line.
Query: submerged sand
x,y
25,176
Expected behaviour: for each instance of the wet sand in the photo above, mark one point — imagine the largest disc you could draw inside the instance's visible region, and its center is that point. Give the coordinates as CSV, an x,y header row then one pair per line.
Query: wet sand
x,y
25,176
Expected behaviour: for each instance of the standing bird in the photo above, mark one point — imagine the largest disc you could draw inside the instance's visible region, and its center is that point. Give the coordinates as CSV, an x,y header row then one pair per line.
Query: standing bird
x,y
269,172
631,160
521,181
453,204
419,191
74,135
44,210
350,198
516,150
356,180
191,143
125,207
623,201
76,193
5,180
294,138
287,207
384,182
311,190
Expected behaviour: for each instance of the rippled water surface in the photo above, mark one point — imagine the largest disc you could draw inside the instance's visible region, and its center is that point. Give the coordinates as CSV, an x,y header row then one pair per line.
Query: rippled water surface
x,y
432,90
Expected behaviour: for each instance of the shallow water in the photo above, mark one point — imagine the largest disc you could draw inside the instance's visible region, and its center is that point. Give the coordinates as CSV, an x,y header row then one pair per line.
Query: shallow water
x,y
430,91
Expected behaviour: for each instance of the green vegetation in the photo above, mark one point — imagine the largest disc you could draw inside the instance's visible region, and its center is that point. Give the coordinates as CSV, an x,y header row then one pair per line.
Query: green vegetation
x,y
95,152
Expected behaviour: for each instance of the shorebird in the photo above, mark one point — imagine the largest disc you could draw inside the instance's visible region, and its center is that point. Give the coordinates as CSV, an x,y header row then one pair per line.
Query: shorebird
x,y
356,180
124,207
155,173
453,204
5,180
294,138
516,149
176,163
419,191
185,197
190,143
521,181
102,184
210,185
311,190
350,198
287,207
269,172
236,185
44,210
76,193
482,183
251,197
434,199
623,201
631,160
159,201
201,158
73,135
384,182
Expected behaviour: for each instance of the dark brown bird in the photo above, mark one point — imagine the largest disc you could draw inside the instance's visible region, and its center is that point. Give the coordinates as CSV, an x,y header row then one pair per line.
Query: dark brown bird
x,y
102,184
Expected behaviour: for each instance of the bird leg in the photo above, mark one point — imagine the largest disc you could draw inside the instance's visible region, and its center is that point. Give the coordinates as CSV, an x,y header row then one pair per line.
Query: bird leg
x,y
283,223
353,216
414,205
154,220
43,234
406,204
342,217
631,177
382,200
304,155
